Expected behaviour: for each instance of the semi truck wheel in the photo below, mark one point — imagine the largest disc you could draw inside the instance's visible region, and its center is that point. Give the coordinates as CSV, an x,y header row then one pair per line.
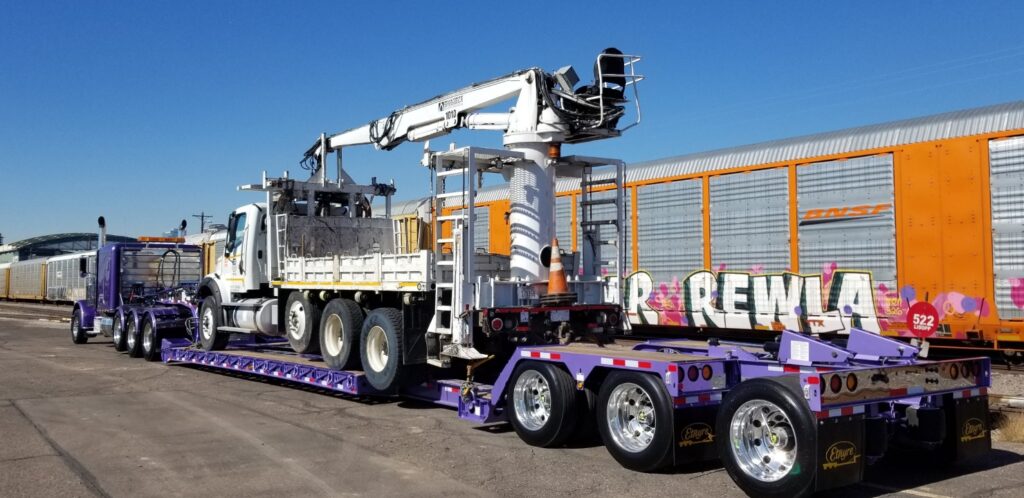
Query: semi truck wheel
x,y
78,336
635,418
302,323
132,335
340,327
766,438
380,349
209,322
117,332
150,340
543,404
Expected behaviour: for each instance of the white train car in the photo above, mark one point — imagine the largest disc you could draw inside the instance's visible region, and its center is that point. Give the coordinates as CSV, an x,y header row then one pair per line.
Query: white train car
x,y
64,282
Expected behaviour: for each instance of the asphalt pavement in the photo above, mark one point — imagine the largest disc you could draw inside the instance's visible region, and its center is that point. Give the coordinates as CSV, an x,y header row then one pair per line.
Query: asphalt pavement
x,y
88,421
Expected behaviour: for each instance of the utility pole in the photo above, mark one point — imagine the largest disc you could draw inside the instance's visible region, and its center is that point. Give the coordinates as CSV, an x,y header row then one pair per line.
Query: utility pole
x,y
202,220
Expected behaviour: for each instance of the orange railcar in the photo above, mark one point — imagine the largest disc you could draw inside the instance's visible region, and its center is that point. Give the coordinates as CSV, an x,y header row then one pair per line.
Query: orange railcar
x,y
827,232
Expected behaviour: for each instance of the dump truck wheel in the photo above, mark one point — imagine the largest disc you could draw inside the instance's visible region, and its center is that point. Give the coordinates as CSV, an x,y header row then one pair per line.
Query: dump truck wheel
x,y
767,438
634,414
380,349
340,327
542,403
302,323
209,322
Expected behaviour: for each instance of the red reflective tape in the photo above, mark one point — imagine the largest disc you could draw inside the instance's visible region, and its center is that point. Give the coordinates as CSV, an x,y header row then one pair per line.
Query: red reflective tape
x,y
790,369
704,397
644,364
619,363
813,380
534,354
822,414
673,368
966,393
556,356
898,392
847,410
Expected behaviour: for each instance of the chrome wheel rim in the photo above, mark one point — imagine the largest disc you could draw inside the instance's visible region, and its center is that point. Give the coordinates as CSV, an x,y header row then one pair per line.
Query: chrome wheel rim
x,y
117,331
334,337
206,324
631,419
763,440
147,337
131,334
377,348
532,400
74,327
296,320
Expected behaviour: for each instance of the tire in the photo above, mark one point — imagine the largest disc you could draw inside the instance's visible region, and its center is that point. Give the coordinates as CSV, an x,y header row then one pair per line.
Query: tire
x,y
340,328
542,403
209,322
635,417
133,338
78,335
117,333
743,441
150,340
380,349
302,323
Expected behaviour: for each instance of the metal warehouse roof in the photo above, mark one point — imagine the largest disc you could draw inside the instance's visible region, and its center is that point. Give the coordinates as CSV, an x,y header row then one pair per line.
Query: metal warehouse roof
x,y
995,118
59,237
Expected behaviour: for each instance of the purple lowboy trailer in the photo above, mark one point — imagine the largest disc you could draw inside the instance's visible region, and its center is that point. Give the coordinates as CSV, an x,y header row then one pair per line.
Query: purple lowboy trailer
x,y
141,293
787,418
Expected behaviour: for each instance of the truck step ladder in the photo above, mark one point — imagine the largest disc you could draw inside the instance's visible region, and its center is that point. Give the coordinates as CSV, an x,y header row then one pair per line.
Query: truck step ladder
x,y
603,226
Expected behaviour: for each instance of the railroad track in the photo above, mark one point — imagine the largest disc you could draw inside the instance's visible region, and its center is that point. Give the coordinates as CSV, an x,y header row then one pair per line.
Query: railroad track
x,y
35,311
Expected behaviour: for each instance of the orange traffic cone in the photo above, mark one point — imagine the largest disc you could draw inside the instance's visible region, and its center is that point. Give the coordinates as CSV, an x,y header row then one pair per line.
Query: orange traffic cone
x,y
558,288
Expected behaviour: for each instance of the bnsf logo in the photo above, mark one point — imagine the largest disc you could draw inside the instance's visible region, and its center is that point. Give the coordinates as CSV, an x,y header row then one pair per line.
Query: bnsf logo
x,y
844,213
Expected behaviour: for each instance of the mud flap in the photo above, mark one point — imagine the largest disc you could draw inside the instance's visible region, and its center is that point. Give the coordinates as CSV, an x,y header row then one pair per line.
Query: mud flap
x,y
695,435
840,452
967,428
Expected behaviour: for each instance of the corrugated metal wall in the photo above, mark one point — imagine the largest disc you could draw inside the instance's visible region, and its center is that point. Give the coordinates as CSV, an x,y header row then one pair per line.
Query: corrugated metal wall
x,y
481,228
1006,170
4,271
563,221
607,212
63,280
750,220
670,229
27,279
831,197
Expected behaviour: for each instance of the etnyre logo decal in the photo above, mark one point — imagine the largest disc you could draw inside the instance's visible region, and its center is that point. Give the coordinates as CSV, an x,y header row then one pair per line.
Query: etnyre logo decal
x,y
696,433
972,429
840,454
844,213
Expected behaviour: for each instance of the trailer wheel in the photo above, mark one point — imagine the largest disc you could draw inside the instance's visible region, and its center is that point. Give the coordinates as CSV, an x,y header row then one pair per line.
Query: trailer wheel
x,y
380,349
542,402
133,336
340,327
209,322
302,317
635,418
766,438
117,333
78,335
150,340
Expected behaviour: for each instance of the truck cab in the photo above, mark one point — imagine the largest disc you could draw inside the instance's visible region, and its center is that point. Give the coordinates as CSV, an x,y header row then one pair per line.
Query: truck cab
x,y
243,267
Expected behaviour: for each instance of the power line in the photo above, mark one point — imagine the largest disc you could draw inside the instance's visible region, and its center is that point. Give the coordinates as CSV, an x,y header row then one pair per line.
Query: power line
x,y
202,220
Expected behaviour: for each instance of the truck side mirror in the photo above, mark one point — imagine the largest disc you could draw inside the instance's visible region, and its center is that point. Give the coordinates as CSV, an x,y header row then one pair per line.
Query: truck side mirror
x,y
83,270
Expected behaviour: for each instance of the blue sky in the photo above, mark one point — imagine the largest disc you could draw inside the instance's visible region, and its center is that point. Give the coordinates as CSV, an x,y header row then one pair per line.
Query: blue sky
x,y
148,112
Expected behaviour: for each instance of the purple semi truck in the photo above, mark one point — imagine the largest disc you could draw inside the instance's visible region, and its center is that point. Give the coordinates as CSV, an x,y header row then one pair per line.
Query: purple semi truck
x,y
141,293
